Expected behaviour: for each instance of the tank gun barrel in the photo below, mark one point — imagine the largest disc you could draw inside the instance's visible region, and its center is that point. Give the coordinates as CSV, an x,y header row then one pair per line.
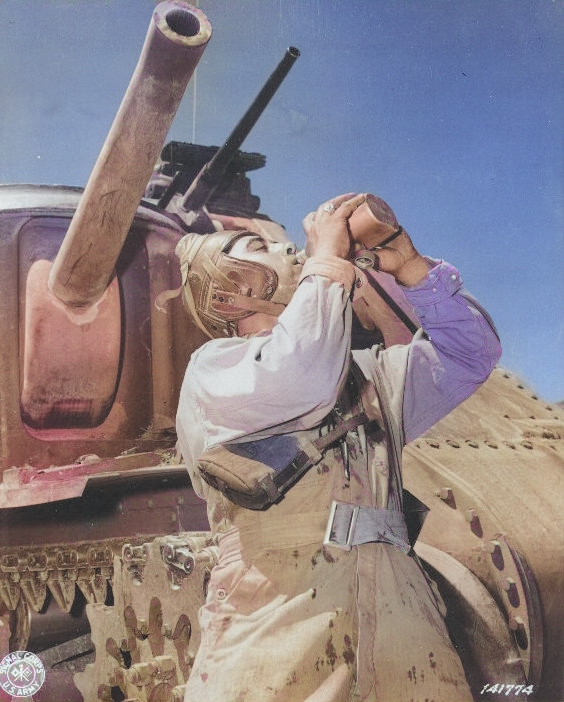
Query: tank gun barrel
x,y
177,36
210,176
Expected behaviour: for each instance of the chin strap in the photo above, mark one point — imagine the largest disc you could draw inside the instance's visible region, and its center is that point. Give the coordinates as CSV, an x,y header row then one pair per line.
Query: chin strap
x,y
230,294
215,274
251,304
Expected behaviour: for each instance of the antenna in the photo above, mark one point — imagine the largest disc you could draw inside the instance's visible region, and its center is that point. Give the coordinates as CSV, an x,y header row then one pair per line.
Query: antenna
x,y
194,98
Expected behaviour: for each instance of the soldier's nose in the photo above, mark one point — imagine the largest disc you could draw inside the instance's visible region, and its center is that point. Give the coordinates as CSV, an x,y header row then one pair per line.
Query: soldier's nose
x,y
287,248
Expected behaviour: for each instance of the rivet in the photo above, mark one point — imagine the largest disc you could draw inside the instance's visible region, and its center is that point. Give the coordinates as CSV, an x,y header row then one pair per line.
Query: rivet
x,y
516,624
142,627
507,584
472,443
116,678
445,493
527,444
434,443
453,443
510,587
496,553
470,515
221,593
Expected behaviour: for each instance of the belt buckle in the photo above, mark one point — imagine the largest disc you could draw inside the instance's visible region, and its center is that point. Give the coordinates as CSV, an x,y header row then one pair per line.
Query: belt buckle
x,y
341,525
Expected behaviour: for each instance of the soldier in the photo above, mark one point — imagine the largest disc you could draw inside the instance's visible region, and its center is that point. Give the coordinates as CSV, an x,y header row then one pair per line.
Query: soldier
x,y
295,442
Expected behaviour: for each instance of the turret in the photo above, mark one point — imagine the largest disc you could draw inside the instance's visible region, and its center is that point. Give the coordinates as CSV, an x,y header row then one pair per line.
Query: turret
x,y
75,326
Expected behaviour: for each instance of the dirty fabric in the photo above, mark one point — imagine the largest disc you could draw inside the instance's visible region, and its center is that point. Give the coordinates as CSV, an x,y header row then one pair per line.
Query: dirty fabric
x,y
287,619
281,621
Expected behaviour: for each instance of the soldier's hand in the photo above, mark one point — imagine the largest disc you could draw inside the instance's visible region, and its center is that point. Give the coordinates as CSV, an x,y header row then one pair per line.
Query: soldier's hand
x,y
327,230
400,258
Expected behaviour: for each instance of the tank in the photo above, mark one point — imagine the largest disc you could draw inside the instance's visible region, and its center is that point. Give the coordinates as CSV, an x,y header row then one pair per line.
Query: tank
x,y
105,553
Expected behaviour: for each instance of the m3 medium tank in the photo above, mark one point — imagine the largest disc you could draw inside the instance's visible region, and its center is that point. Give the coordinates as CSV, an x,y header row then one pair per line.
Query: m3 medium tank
x,y
104,549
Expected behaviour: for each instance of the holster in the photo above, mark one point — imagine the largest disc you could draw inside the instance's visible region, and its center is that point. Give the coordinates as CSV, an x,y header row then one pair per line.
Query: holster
x,y
257,474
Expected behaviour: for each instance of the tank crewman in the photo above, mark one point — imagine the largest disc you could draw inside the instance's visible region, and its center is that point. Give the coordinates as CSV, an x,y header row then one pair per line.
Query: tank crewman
x,y
318,596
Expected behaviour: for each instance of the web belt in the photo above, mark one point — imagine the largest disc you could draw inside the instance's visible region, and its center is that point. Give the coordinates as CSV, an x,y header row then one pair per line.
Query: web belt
x,y
351,525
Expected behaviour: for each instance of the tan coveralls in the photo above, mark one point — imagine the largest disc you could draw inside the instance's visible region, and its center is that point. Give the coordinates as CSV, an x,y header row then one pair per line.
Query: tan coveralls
x,y
289,619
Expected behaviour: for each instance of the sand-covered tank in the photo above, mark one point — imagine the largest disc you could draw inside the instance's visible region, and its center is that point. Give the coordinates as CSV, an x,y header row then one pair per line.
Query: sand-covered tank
x,y
104,549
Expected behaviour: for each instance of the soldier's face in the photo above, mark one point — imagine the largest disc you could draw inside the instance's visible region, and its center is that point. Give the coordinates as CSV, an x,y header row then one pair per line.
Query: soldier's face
x,y
280,256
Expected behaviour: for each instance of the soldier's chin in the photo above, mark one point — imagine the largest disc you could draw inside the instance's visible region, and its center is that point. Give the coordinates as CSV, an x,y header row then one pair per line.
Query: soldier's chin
x,y
288,294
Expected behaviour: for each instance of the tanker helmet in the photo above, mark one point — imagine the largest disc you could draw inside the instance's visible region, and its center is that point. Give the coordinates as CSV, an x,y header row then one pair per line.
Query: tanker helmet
x,y
219,289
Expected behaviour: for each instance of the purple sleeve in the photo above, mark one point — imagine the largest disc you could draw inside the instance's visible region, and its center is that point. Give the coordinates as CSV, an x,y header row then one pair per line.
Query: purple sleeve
x,y
458,355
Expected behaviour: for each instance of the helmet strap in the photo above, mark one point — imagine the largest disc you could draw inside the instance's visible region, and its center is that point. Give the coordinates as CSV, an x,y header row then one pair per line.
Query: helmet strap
x,y
251,304
229,295
215,274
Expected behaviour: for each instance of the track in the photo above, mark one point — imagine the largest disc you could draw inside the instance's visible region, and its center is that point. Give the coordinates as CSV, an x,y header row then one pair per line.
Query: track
x,y
146,641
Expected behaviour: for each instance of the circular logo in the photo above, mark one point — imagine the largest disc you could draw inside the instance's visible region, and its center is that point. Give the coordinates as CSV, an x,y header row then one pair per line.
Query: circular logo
x,y
21,674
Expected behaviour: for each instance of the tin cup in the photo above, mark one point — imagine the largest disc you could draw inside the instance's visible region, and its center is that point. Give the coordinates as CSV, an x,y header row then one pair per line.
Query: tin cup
x,y
371,221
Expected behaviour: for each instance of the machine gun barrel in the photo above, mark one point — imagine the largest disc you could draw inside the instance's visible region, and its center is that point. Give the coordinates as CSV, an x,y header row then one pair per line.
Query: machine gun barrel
x,y
177,36
210,176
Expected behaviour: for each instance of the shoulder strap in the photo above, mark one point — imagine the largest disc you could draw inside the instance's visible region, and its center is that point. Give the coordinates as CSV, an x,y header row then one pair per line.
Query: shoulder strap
x,y
389,381
306,458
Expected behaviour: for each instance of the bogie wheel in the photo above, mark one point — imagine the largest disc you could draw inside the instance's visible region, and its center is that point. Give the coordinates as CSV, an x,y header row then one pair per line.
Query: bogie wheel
x,y
146,641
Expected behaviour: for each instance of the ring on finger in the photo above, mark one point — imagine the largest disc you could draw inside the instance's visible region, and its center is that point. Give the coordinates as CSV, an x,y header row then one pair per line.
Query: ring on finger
x,y
329,208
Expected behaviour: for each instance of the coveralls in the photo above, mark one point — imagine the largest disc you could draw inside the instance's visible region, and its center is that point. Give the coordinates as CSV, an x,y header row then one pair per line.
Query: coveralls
x,y
287,618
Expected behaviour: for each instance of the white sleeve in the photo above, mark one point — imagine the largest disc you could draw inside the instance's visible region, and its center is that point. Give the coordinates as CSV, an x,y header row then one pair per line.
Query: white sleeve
x,y
288,379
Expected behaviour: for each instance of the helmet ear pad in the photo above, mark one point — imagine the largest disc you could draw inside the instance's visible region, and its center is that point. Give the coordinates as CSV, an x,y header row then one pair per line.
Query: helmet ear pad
x,y
218,289
232,280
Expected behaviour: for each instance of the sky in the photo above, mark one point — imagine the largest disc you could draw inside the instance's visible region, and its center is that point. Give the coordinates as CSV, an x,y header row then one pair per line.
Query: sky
x,y
451,110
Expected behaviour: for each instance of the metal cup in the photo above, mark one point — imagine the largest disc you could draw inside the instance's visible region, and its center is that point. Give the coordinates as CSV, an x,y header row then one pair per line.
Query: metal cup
x,y
366,221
